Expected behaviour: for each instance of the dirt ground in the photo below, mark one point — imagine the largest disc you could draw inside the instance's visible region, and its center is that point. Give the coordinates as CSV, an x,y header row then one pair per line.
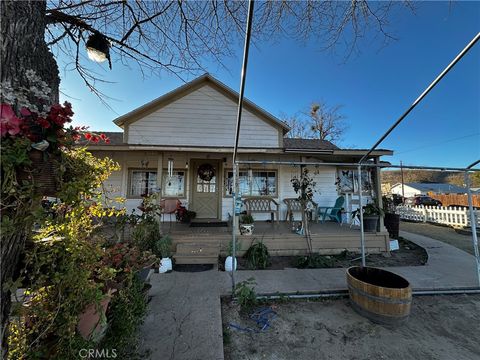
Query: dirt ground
x,y
409,254
442,233
439,327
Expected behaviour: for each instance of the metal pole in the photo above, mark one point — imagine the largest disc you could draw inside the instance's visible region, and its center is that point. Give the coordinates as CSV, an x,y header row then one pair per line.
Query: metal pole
x,y
243,76
473,225
473,164
360,198
248,33
425,92
403,190
234,225
354,165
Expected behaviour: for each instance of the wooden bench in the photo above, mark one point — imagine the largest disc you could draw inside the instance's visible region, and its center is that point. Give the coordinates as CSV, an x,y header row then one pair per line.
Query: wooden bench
x,y
262,205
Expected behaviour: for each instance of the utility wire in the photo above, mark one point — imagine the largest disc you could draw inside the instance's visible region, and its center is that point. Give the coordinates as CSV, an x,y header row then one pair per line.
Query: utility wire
x,y
437,144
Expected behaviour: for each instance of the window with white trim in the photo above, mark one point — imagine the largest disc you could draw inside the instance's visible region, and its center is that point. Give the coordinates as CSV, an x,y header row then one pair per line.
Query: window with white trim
x,y
173,186
253,183
142,182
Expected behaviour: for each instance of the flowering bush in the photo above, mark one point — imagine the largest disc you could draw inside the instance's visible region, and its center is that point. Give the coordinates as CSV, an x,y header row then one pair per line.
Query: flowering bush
x,y
65,268
48,129
127,258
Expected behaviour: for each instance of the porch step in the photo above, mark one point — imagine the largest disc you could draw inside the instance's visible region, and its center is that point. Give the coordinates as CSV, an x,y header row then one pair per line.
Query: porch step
x,y
195,253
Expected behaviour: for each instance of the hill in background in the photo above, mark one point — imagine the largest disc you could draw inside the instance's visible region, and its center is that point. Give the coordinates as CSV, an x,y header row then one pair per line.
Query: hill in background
x,y
426,176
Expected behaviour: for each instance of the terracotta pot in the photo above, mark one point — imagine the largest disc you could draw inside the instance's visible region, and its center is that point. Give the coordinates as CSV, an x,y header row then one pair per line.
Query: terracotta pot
x,y
90,325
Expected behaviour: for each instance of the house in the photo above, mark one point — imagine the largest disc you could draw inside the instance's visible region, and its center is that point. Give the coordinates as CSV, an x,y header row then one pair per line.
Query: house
x,y
412,189
169,145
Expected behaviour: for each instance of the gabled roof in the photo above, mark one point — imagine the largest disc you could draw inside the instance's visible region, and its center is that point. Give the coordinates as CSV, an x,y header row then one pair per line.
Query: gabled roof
x,y
310,144
438,187
189,87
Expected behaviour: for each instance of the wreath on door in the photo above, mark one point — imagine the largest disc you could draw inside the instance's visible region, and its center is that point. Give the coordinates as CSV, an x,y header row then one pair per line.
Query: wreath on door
x,y
206,172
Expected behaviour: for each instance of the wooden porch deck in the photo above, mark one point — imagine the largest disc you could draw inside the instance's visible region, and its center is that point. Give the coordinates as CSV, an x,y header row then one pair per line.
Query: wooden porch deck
x,y
327,238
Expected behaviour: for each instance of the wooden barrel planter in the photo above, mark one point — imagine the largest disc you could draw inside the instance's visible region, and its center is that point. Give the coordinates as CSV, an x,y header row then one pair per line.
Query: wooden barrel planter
x,y
379,295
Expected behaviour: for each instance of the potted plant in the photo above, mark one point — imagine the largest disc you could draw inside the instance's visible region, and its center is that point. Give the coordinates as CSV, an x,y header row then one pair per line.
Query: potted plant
x,y
126,258
92,322
246,224
163,249
230,261
371,215
391,219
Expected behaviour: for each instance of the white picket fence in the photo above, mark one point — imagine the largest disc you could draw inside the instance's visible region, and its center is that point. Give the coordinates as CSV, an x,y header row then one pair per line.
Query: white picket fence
x,y
453,216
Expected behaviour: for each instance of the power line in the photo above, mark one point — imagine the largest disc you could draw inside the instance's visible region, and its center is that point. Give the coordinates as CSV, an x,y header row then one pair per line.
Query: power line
x,y
437,143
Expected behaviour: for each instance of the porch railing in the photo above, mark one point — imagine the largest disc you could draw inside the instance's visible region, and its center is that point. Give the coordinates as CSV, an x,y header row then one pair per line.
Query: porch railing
x,y
453,216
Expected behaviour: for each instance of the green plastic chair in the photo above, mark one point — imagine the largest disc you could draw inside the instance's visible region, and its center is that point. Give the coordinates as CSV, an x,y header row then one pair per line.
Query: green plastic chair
x,y
334,213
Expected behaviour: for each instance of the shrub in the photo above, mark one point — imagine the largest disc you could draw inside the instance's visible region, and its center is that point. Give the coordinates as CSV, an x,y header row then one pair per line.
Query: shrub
x,y
245,294
314,261
146,234
125,314
257,256
163,247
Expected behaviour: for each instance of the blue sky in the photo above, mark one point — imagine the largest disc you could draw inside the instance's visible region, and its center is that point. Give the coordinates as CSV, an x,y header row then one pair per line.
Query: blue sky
x,y
375,86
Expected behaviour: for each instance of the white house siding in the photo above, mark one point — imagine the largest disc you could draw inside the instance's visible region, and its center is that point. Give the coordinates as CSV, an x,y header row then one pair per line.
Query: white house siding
x,y
205,117
325,195
324,176
117,184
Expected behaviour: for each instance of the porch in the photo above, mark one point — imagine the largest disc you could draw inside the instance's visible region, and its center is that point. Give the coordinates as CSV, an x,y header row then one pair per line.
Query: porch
x,y
197,244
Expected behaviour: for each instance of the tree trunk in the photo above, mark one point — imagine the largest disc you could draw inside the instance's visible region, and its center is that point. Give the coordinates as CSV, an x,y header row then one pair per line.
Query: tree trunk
x,y
23,47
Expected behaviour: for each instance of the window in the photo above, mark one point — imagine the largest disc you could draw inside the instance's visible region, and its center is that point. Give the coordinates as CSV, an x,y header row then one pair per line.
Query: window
x,y
142,182
173,185
253,183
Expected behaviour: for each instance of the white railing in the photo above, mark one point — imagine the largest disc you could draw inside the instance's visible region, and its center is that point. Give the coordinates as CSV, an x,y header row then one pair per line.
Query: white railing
x,y
453,216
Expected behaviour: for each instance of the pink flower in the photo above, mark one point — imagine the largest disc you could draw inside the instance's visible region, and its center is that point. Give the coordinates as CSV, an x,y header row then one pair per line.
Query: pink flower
x,y
43,123
9,122
25,112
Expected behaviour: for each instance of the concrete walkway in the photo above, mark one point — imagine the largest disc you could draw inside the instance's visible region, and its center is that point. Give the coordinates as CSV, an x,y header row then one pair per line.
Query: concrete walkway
x,y
185,322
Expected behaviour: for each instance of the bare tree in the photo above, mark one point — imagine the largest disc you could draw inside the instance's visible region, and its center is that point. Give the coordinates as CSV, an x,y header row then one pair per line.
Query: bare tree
x,y
159,36
177,36
319,122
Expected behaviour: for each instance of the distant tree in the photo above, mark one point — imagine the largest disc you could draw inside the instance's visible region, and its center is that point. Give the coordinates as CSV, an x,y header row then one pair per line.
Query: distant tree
x,y
319,122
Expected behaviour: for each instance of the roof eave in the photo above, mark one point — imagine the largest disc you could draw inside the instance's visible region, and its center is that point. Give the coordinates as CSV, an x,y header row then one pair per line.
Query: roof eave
x,y
362,152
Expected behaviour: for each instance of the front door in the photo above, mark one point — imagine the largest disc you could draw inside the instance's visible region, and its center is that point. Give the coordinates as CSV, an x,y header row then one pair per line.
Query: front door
x,y
205,188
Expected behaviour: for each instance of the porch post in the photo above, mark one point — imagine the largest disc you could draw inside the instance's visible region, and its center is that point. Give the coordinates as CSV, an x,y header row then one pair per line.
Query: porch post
x,y
473,225
378,191
159,182
360,198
